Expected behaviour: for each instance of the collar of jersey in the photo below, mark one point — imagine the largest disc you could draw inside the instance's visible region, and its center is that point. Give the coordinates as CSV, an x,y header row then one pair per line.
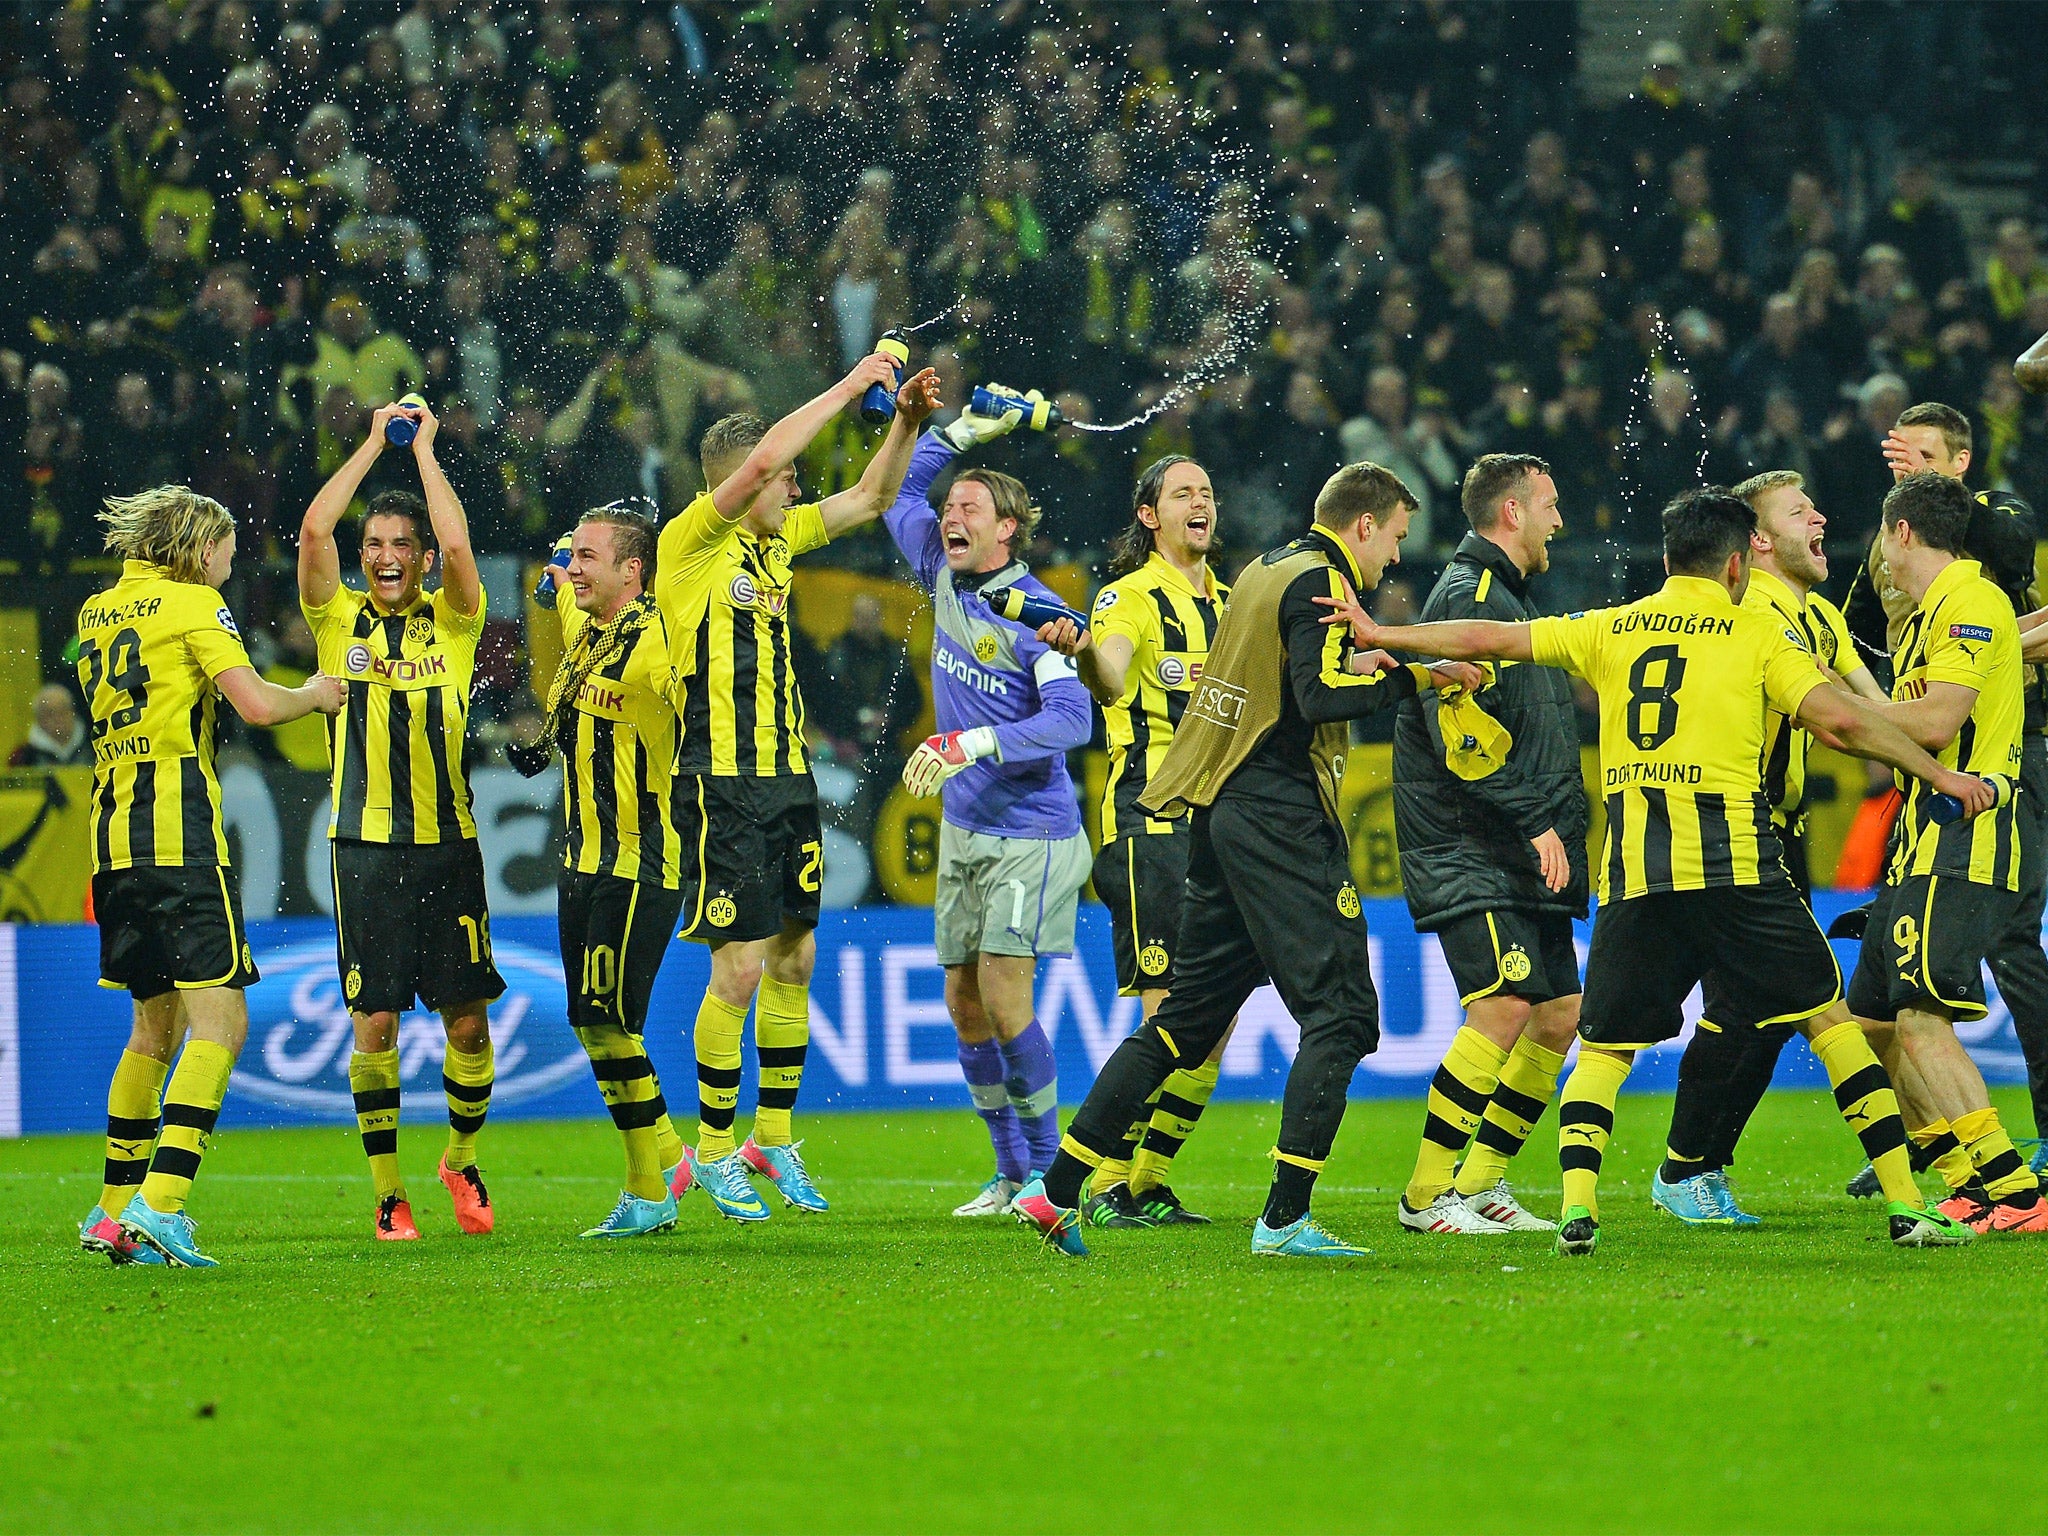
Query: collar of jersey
x,y
1484,553
140,570
379,614
1697,587
1953,575
1174,573
1002,576
1342,552
1776,591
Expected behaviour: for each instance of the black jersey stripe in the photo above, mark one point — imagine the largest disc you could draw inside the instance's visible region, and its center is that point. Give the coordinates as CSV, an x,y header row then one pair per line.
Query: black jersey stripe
x,y
354,758
142,814
1617,839
1717,842
400,726
437,753
654,849
1656,840
103,819
604,789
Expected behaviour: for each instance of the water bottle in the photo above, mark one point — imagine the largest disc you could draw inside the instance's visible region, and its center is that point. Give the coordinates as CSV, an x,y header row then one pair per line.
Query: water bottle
x,y
399,431
545,591
1031,609
994,400
878,405
1943,810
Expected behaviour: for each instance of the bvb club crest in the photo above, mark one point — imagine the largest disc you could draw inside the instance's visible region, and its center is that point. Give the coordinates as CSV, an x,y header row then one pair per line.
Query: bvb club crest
x,y
721,911
419,629
985,649
1152,960
1347,900
353,983
1514,965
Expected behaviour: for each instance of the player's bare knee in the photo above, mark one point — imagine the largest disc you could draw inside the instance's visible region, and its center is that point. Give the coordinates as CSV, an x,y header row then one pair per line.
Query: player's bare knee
x,y
1554,1024
155,1031
1500,1018
792,955
736,973
376,1032
963,1005
468,1027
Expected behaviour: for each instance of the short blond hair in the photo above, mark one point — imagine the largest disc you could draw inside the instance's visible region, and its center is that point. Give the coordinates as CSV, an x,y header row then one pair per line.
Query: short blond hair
x,y
1360,490
1752,490
169,526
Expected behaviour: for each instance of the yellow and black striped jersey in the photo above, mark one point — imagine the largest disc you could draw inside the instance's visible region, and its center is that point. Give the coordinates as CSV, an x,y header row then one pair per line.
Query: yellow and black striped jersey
x,y
725,597
149,649
619,767
1821,631
397,743
1685,679
1963,632
1170,625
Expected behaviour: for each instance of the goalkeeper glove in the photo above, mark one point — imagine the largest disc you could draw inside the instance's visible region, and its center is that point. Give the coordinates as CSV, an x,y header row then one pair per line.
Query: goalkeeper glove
x,y
939,757
970,428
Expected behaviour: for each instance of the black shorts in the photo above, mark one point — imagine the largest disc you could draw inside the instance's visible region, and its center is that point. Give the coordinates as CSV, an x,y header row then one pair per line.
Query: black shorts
x,y
171,929
413,922
614,935
1756,947
753,856
1530,955
1141,881
1925,944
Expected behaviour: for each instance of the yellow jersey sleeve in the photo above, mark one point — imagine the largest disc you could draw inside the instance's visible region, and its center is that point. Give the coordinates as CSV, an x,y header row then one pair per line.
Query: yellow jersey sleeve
x,y
337,610
572,618
1790,674
461,626
1570,641
211,635
803,529
690,538
1959,647
1121,611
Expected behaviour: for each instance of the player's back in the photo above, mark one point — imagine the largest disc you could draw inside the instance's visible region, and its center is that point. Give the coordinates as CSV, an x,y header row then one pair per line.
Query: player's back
x,y
149,648
1685,679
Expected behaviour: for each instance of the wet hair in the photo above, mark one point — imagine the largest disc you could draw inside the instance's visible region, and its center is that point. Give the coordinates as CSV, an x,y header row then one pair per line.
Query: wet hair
x,y
633,522
1936,507
1360,490
403,504
1133,547
1953,425
168,526
1492,478
726,444
1703,527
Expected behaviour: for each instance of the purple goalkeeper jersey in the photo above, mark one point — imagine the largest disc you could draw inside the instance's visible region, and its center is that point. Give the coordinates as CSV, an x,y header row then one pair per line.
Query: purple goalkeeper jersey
x,y
993,671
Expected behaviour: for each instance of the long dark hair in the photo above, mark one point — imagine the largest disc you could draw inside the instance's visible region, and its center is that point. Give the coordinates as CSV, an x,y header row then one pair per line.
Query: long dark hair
x,y
1133,547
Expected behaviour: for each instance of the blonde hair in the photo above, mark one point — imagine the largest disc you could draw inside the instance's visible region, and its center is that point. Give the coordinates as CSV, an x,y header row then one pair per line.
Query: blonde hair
x,y
169,526
1011,501
1752,490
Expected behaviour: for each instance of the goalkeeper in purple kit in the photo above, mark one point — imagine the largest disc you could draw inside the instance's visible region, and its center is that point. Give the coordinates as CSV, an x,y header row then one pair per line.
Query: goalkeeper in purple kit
x,y
1012,855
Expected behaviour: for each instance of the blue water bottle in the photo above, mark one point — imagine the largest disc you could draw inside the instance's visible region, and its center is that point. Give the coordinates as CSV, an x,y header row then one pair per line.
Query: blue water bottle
x,y
544,590
878,405
399,431
994,400
1028,607
1944,810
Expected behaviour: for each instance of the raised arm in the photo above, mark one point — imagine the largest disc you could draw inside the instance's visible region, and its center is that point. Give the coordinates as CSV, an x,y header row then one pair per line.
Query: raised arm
x,y
459,578
319,558
2031,368
1333,680
263,703
790,436
876,490
1863,730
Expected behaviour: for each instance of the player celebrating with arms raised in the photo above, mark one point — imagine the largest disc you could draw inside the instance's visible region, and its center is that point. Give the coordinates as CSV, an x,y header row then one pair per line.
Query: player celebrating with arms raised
x,y
1141,657
409,904
1012,855
157,652
1694,886
753,846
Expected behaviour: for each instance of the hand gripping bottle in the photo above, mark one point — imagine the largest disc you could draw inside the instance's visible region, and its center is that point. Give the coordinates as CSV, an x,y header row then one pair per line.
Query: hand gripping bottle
x,y
1039,414
399,431
878,405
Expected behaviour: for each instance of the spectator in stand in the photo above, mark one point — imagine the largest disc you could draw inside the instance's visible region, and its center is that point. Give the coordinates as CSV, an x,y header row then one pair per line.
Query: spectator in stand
x,y
870,699
1918,221
1781,358
1853,464
57,737
1415,450
1770,126
869,290
1658,122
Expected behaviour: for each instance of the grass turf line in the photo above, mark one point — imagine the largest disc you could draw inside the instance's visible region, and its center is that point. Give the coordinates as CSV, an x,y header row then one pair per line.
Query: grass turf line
x,y
888,1367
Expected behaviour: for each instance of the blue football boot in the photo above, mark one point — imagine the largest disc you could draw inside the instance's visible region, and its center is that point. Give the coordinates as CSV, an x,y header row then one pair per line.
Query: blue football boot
x,y
1301,1239
785,1167
1693,1201
725,1181
1724,1194
635,1217
1059,1226
170,1233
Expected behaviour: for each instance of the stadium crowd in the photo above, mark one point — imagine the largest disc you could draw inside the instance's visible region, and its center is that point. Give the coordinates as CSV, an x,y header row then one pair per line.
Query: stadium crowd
x,y
587,230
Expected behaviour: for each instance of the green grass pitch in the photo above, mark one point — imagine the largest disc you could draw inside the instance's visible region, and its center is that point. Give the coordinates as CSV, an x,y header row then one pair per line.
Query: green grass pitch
x,y
888,1368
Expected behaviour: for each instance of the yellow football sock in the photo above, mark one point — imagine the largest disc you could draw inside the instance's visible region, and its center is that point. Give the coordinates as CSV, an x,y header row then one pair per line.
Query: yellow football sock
x,y
625,1077
1863,1093
782,1036
668,1141
1457,1099
466,1079
718,1075
1182,1098
1527,1080
191,1105
1585,1120
1945,1153
1999,1166
373,1078
134,1106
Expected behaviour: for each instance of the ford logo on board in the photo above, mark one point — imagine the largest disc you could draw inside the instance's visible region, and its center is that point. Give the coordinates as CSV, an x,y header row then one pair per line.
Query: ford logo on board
x,y
300,1036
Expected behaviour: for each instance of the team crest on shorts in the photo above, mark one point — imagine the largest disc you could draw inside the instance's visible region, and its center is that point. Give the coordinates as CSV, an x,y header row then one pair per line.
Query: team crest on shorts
x,y
1347,900
985,648
248,957
419,629
1514,965
352,984
1152,960
721,911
